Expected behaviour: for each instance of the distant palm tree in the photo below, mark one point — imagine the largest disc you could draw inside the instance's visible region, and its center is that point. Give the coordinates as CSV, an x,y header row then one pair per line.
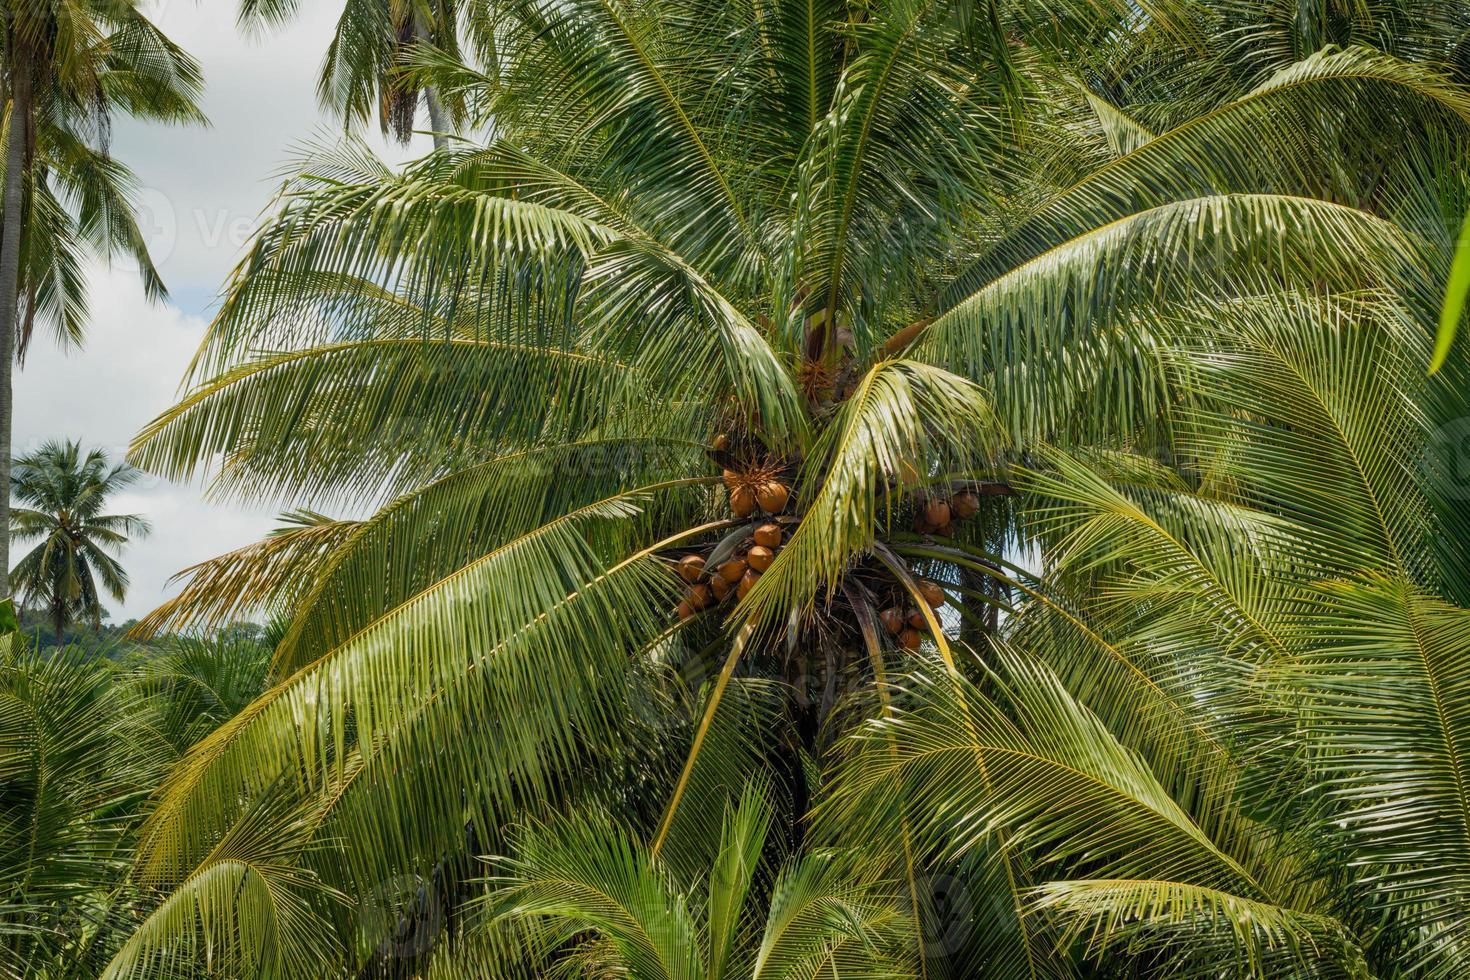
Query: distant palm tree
x,y
66,492
87,737
813,915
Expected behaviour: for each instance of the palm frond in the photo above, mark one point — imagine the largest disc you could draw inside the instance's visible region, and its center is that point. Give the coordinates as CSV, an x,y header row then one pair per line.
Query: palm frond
x,y
1381,699
264,576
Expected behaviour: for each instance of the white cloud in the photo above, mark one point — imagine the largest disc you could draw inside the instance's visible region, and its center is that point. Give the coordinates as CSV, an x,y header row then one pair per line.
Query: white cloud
x,y
135,357
204,188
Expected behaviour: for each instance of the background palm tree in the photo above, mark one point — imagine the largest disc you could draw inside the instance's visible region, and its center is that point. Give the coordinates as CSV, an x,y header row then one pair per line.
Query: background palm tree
x,y
819,914
63,493
369,68
704,404
67,68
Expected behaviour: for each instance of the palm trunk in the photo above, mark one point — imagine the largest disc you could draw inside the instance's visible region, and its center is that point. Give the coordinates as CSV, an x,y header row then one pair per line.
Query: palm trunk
x,y
438,121
974,626
10,236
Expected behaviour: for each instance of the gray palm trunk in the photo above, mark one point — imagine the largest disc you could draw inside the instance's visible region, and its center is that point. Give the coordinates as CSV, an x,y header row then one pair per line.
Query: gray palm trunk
x,y
10,235
438,121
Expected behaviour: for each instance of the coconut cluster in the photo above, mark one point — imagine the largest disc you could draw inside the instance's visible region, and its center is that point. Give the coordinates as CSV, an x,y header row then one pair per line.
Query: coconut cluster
x,y
736,575
907,625
756,486
707,585
756,482
940,514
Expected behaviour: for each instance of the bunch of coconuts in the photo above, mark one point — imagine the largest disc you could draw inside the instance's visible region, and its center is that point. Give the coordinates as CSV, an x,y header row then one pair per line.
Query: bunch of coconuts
x,y
939,514
735,575
907,626
711,577
759,486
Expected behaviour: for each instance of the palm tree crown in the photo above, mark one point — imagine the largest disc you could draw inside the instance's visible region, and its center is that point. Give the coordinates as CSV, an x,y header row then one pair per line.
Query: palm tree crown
x,y
79,66
62,494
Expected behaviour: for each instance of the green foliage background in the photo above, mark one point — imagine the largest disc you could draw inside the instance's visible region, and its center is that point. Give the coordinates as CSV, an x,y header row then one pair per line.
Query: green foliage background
x,y
1158,282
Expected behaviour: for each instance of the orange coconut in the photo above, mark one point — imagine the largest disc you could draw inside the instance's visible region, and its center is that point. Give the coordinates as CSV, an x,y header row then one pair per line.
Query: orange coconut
x,y
742,501
768,535
747,582
731,570
691,567
772,496
760,558
892,619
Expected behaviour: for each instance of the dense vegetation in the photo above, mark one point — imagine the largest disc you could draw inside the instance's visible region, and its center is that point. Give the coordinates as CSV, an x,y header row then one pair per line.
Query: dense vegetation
x,y
86,734
888,489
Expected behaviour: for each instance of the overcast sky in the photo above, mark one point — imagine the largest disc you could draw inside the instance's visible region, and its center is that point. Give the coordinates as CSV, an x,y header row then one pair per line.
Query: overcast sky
x,y
203,191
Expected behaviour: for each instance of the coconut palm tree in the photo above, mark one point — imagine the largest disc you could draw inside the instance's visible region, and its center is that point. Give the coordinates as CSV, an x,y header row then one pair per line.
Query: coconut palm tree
x,y
68,68
713,401
62,494
369,65
67,766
